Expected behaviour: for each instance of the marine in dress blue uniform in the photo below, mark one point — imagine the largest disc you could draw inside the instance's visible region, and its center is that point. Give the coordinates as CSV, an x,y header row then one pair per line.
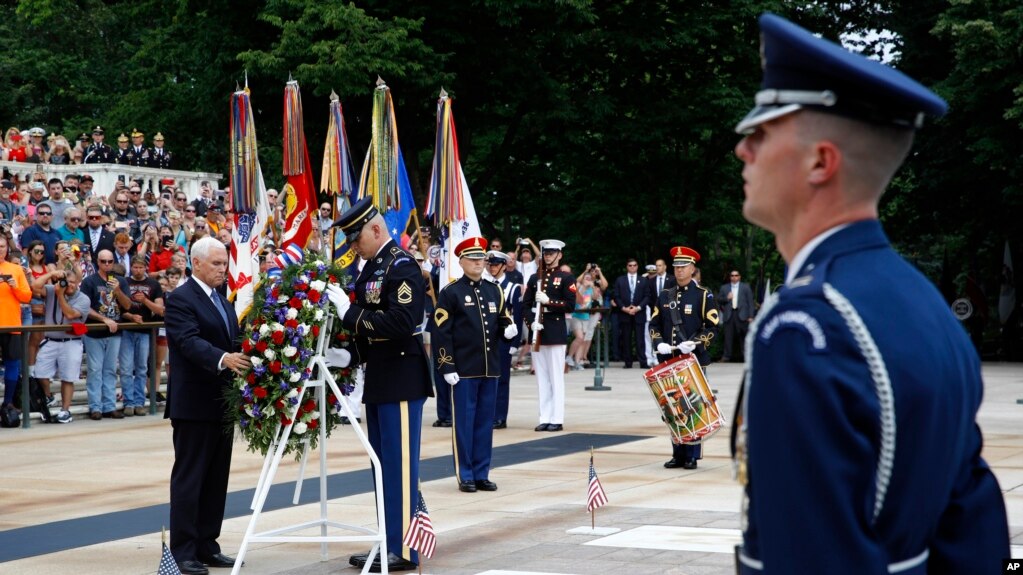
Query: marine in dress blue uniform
x,y
138,154
496,262
856,435
684,321
469,322
385,316
550,294
97,152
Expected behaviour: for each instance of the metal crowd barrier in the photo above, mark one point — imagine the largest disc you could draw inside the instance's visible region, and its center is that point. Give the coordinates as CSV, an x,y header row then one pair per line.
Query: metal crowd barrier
x,y
602,343
154,378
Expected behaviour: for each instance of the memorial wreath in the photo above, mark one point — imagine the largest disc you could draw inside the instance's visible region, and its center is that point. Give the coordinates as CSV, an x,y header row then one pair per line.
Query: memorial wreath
x,y
289,309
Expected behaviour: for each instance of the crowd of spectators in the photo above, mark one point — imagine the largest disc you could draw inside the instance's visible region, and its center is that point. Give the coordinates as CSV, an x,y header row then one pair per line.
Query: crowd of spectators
x,y
34,146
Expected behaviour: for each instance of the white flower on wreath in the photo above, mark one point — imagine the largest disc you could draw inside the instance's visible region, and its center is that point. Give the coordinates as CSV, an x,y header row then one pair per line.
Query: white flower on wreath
x,y
292,313
248,410
300,428
264,329
256,361
306,304
293,393
270,354
304,278
295,377
276,326
268,411
289,350
319,263
303,329
318,316
318,285
282,299
314,414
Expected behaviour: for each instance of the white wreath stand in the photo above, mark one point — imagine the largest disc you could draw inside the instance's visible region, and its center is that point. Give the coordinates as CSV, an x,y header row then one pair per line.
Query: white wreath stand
x,y
273,460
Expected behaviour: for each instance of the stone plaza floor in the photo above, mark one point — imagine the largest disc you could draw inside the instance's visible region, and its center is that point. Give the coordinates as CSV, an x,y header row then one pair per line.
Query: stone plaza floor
x,y
90,497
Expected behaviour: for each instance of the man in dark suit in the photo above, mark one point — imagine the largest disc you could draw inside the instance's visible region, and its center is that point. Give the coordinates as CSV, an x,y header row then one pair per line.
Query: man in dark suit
x,y
736,301
202,330
657,283
386,319
97,236
630,301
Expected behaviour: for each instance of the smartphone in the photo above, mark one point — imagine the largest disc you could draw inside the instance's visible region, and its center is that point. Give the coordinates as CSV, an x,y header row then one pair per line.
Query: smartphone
x,y
5,277
120,178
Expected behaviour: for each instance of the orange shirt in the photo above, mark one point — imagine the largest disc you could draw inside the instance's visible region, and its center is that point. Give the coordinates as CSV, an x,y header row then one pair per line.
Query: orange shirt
x,y
11,299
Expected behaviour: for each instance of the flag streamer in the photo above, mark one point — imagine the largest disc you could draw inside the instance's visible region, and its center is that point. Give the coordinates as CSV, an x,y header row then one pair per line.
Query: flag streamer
x,y
299,193
380,170
338,179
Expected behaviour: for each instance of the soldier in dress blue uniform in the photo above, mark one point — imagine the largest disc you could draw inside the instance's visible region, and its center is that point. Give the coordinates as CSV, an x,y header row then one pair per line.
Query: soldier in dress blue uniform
x,y
684,321
496,262
160,157
121,153
385,318
550,294
138,154
469,322
857,441
98,152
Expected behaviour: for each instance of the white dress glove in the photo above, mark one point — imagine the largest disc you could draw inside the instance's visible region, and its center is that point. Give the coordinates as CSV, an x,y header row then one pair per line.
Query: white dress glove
x,y
686,347
511,331
664,349
542,298
451,378
536,326
337,357
337,296
513,350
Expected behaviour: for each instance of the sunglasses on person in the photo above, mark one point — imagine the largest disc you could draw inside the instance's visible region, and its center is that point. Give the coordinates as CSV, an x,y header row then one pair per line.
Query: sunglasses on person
x,y
73,219
95,217
134,191
190,211
105,261
44,213
38,251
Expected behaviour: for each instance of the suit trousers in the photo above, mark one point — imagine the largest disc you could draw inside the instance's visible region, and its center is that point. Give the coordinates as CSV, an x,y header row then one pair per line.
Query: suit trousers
x,y
198,488
549,364
735,334
394,431
503,383
472,429
631,333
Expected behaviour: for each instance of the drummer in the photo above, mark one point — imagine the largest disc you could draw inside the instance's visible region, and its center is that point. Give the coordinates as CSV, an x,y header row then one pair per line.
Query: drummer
x,y
684,321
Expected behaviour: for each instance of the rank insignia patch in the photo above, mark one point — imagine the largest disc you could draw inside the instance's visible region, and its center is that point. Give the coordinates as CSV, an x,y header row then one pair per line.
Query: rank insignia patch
x,y
404,293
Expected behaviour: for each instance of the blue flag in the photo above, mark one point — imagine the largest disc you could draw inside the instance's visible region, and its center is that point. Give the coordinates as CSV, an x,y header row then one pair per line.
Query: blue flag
x,y
398,219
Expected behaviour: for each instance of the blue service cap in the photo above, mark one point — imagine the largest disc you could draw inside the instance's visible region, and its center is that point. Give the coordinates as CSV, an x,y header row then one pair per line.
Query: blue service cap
x,y
804,71
352,221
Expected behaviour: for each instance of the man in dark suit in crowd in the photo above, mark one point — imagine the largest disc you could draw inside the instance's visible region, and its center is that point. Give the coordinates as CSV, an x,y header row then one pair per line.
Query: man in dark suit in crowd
x,y
630,301
202,330
97,236
736,301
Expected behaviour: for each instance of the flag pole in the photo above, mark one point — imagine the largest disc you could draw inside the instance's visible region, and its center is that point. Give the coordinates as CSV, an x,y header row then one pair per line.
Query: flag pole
x,y
422,250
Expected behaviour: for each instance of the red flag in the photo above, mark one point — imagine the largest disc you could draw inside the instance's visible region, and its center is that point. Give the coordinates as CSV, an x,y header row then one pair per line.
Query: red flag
x,y
300,191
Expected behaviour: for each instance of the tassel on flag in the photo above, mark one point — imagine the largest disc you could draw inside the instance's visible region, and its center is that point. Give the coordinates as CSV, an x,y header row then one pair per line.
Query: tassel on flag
x,y
300,201
338,179
168,566
449,203
420,535
595,497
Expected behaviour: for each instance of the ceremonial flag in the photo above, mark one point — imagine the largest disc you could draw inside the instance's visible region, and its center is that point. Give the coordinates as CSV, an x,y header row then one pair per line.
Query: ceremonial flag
x,y
595,497
420,535
338,179
384,177
248,201
168,566
449,203
1007,292
299,192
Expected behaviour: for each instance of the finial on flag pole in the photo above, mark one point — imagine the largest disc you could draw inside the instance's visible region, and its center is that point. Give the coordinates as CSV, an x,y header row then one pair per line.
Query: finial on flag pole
x,y
443,93
380,82
334,97
246,78
163,533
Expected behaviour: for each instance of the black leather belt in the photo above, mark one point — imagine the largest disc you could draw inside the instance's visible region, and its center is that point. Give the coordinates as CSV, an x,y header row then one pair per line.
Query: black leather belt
x,y
62,338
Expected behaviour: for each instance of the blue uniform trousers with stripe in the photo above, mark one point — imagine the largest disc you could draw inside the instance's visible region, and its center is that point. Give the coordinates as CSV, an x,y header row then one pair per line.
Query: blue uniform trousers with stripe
x,y
472,430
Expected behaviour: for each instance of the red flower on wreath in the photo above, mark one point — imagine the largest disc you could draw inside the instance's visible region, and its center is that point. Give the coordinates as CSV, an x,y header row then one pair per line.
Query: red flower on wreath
x,y
314,296
251,377
351,296
278,337
313,423
275,366
259,392
316,331
247,345
309,405
276,292
342,336
285,420
292,323
261,345
295,303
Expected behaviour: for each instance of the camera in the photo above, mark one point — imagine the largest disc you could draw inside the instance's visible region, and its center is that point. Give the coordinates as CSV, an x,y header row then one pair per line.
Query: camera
x,y
166,239
62,282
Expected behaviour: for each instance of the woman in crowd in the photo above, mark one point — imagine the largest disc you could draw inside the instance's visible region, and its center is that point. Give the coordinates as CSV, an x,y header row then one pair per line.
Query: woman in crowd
x,y
582,322
14,291
60,151
36,269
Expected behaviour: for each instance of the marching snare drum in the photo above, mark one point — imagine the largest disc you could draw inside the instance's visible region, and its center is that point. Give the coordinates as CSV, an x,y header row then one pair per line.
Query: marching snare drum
x,y
688,407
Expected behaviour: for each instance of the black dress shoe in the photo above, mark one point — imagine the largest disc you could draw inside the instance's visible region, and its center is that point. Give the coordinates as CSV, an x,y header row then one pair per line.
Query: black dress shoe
x,y
672,463
394,563
358,560
442,423
467,486
500,424
644,366
542,427
346,421
486,485
219,560
555,427
689,464
628,366
192,568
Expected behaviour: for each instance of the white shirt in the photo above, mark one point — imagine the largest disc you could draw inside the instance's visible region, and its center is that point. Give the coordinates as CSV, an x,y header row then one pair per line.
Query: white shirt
x,y
804,252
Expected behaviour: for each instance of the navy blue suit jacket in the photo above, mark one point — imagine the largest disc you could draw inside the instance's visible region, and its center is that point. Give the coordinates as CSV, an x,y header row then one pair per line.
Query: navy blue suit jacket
x,y
197,338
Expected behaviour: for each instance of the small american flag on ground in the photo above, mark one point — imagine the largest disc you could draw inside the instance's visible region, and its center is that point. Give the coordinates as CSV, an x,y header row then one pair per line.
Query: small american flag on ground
x,y
596,496
168,566
420,535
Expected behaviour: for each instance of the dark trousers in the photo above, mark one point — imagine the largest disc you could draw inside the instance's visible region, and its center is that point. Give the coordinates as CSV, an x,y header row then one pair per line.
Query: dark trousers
x,y
681,451
503,383
631,332
198,488
443,396
472,428
394,431
735,335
